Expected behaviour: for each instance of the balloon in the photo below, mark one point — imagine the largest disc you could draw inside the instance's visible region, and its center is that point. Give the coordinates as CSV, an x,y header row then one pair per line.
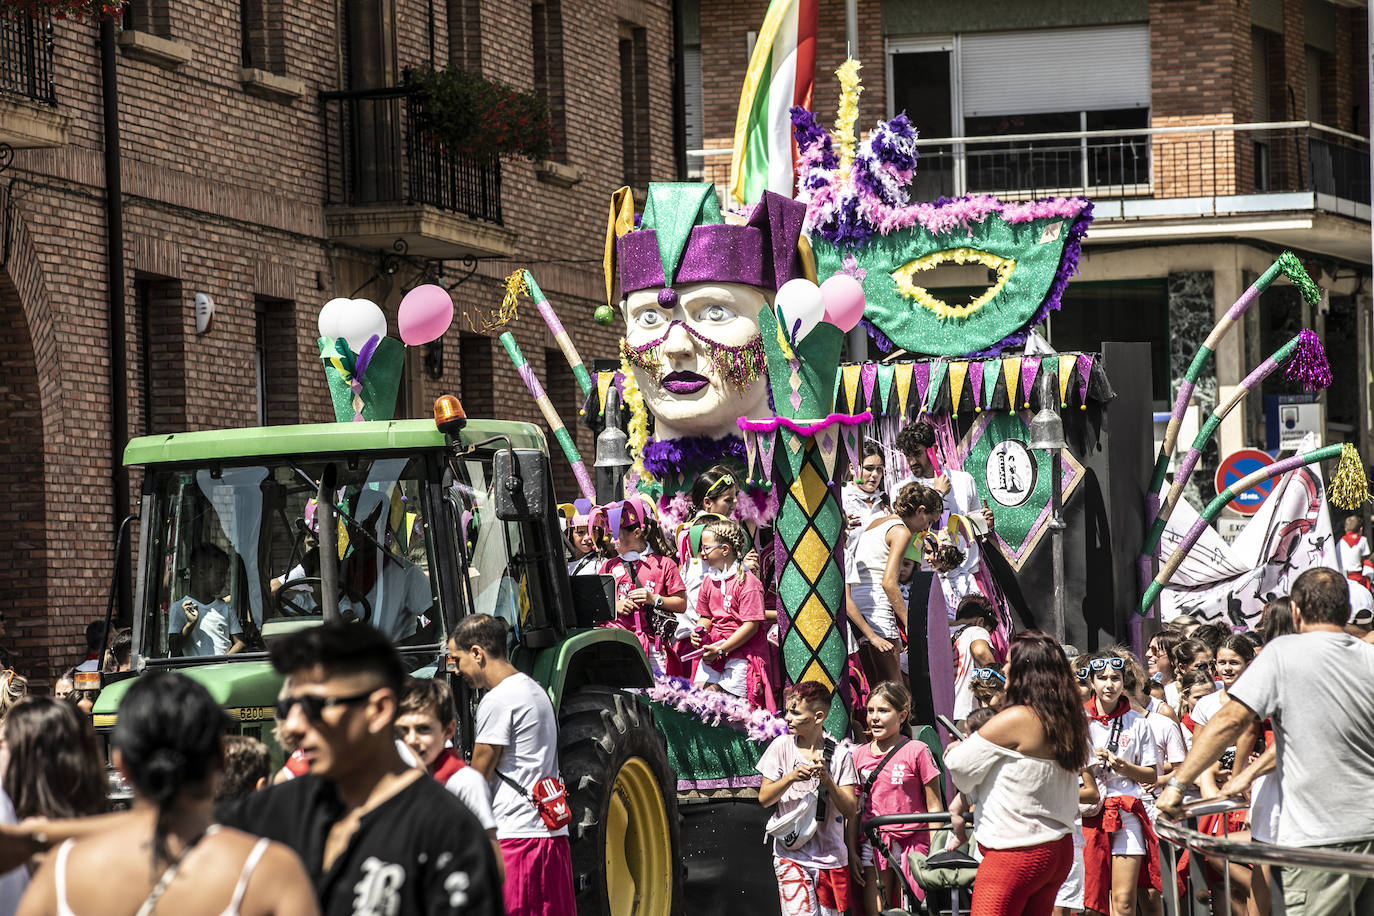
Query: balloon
x,y
799,307
361,320
425,314
844,301
331,316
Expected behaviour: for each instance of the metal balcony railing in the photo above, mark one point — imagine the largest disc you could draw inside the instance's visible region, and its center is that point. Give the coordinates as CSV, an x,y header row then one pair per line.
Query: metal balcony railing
x,y
1208,162
379,151
26,43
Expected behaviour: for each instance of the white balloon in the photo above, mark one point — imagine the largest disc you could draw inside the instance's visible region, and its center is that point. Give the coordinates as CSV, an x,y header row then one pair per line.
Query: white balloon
x,y
800,307
361,320
331,316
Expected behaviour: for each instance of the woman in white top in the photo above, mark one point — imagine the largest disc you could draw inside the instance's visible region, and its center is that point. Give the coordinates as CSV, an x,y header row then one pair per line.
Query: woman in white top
x,y
863,497
1021,770
873,585
167,744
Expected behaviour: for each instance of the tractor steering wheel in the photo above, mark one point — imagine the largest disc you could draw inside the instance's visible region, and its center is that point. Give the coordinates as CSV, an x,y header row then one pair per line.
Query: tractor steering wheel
x,y
286,605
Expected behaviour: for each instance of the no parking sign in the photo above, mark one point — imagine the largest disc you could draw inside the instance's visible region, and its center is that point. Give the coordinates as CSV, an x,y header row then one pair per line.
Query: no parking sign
x,y
1241,464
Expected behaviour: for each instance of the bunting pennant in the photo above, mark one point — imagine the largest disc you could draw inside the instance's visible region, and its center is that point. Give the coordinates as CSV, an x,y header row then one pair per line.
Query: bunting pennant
x,y
829,443
603,385
958,374
850,435
751,447
886,373
851,387
767,443
903,377
1030,369
794,447
992,371
1011,368
937,378
1085,371
1064,369
868,376
975,384
920,374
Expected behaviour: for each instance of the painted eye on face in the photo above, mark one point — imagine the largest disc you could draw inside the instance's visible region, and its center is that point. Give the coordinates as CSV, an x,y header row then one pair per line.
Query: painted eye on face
x,y
907,279
716,313
651,318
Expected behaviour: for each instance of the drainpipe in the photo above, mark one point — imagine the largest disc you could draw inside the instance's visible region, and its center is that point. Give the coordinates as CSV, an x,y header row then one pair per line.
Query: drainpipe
x,y
119,382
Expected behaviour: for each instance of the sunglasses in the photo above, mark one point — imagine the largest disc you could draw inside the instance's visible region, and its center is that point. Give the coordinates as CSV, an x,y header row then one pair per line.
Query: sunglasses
x,y
313,707
1101,664
987,674
1206,666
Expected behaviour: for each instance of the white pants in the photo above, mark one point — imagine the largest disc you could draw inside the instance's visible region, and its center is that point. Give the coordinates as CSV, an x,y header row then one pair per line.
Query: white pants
x,y
734,679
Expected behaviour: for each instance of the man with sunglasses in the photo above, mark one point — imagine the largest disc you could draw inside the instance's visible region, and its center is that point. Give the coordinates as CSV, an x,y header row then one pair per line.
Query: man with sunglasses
x,y
375,834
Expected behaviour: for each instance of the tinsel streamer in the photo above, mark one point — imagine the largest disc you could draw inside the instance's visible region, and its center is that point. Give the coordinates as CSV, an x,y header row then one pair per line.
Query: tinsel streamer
x,y
1292,269
716,708
638,432
1308,364
1349,489
847,113
739,366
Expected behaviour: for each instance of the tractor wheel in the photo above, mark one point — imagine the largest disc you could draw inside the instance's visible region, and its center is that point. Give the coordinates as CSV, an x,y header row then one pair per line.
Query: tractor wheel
x,y
623,794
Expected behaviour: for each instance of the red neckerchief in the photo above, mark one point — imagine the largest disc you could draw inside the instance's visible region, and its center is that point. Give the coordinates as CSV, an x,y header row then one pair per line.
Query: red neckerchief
x,y
1123,706
1188,722
1352,537
447,764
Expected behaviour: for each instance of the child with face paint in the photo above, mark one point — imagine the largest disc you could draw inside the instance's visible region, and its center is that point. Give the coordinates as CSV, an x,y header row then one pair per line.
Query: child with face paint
x,y
648,587
1121,852
731,626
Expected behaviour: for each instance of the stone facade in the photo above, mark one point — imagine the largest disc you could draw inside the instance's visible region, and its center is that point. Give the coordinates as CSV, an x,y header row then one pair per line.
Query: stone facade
x,y
225,169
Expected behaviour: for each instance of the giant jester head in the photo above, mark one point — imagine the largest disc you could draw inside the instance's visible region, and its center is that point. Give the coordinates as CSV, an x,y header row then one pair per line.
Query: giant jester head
x,y
693,286
862,223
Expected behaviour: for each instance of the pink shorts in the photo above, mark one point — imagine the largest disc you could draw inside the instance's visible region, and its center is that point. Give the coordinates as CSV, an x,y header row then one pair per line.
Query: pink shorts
x,y
538,876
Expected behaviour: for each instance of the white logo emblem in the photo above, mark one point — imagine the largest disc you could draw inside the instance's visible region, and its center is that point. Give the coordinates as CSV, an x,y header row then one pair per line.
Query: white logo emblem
x,y
1010,473
378,892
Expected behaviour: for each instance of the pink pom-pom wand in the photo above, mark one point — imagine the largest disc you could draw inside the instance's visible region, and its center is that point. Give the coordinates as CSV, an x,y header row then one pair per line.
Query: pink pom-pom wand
x,y
1309,364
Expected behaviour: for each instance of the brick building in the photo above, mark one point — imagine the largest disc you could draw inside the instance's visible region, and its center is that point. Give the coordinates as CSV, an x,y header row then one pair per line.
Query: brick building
x,y
266,161
1135,104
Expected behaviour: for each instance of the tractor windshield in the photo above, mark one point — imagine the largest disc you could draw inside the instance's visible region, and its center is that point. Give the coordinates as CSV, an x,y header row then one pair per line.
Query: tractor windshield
x,y
234,562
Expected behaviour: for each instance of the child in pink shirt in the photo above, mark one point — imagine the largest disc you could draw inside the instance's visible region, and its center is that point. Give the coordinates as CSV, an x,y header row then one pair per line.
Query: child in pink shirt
x,y
909,782
648,587
731,628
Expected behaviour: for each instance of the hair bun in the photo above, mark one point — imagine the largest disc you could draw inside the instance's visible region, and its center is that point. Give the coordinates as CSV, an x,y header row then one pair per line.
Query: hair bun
x,y
163,774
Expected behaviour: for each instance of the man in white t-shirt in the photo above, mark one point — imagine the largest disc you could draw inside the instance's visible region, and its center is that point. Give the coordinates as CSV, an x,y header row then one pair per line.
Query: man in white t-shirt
x,y
972,649
958,488
515,747
202,622
1317,688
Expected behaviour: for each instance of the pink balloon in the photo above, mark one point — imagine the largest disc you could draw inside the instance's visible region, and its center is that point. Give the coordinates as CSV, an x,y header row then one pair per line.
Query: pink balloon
x,y
844,301
425,314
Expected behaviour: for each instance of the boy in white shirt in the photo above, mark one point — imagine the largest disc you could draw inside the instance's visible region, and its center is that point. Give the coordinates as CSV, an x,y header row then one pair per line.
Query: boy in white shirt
x,y
812,781
202,623
516,749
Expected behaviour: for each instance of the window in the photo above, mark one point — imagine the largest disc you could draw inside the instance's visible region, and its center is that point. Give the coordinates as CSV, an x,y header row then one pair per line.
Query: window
x,y
1315,61
547,34
634,105
693,107
278,375
1261,42
992,84
151,16
262,35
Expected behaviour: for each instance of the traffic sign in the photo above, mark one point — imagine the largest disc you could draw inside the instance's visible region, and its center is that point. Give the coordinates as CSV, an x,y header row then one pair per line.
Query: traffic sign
x,y
1240,464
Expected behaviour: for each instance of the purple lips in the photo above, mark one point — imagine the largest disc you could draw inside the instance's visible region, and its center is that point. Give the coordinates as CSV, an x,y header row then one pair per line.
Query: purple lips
x,y
685,382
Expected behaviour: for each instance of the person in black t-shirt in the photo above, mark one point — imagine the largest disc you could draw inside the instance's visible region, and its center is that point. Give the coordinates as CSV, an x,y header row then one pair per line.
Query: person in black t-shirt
x,y
377,837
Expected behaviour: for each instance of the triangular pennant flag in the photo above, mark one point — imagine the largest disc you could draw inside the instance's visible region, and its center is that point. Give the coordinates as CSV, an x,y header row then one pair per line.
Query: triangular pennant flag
x,y
958,373
1011,370
767,443
868,376
1030,368
886,373
603,385
992,371
851,387
920,376
794,447
1085,372
903,380
829,444
1065,369
975,384
937,381
1049,365
850,436
751,447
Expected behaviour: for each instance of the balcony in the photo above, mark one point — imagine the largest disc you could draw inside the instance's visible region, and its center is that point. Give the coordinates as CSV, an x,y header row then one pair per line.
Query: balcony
x,y
1294,183
389,181
29,116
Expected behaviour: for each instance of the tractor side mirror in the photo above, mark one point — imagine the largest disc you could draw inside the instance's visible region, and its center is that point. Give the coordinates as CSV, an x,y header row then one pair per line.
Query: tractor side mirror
x,y
521,482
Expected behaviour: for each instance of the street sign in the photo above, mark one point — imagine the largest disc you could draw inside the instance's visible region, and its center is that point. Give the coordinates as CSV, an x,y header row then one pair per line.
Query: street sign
x,y
1240,464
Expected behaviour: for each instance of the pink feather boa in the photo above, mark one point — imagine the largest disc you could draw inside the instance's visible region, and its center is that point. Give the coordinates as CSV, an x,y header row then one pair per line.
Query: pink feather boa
x,y
715,708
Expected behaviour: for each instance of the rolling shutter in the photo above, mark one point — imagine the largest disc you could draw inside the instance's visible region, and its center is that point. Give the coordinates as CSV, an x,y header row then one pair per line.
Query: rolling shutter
x,y
1096,68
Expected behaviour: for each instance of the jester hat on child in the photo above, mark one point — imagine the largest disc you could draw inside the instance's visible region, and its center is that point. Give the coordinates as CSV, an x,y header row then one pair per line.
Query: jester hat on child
x,y
575,513
632,512
683,238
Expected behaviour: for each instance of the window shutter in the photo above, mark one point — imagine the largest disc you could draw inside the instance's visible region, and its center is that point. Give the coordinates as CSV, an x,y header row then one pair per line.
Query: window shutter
x,y
1044,70
693,110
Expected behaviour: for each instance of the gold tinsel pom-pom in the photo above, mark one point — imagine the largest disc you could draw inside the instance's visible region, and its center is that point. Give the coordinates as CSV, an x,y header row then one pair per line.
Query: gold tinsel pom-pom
x,y
1349,488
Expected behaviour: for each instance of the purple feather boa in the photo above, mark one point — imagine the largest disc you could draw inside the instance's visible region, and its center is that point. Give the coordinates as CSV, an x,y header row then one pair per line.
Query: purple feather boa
x,y
690,454
716,708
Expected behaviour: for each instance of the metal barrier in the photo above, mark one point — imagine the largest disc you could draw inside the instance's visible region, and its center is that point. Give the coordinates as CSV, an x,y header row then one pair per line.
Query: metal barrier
x,y
26,43
1246,852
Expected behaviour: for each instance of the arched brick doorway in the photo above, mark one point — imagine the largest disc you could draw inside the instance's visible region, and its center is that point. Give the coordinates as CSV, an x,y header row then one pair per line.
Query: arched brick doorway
x,y
23,509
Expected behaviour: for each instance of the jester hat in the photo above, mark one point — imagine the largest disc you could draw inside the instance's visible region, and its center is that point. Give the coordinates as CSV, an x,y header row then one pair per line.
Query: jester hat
x,y
683,238
575,513
632,512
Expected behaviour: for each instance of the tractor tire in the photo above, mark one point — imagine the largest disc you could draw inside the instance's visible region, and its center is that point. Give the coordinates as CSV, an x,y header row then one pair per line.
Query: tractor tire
x,y
623,794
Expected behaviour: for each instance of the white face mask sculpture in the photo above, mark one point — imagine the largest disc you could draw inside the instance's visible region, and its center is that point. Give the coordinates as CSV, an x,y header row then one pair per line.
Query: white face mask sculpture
x,y
698,361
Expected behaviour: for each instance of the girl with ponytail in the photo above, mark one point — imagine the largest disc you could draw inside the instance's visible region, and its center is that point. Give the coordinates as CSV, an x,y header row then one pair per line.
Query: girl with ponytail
x,y
167,746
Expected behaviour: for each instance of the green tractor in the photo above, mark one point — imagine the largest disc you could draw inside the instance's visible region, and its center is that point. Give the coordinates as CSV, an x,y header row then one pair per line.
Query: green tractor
x,y
408,528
